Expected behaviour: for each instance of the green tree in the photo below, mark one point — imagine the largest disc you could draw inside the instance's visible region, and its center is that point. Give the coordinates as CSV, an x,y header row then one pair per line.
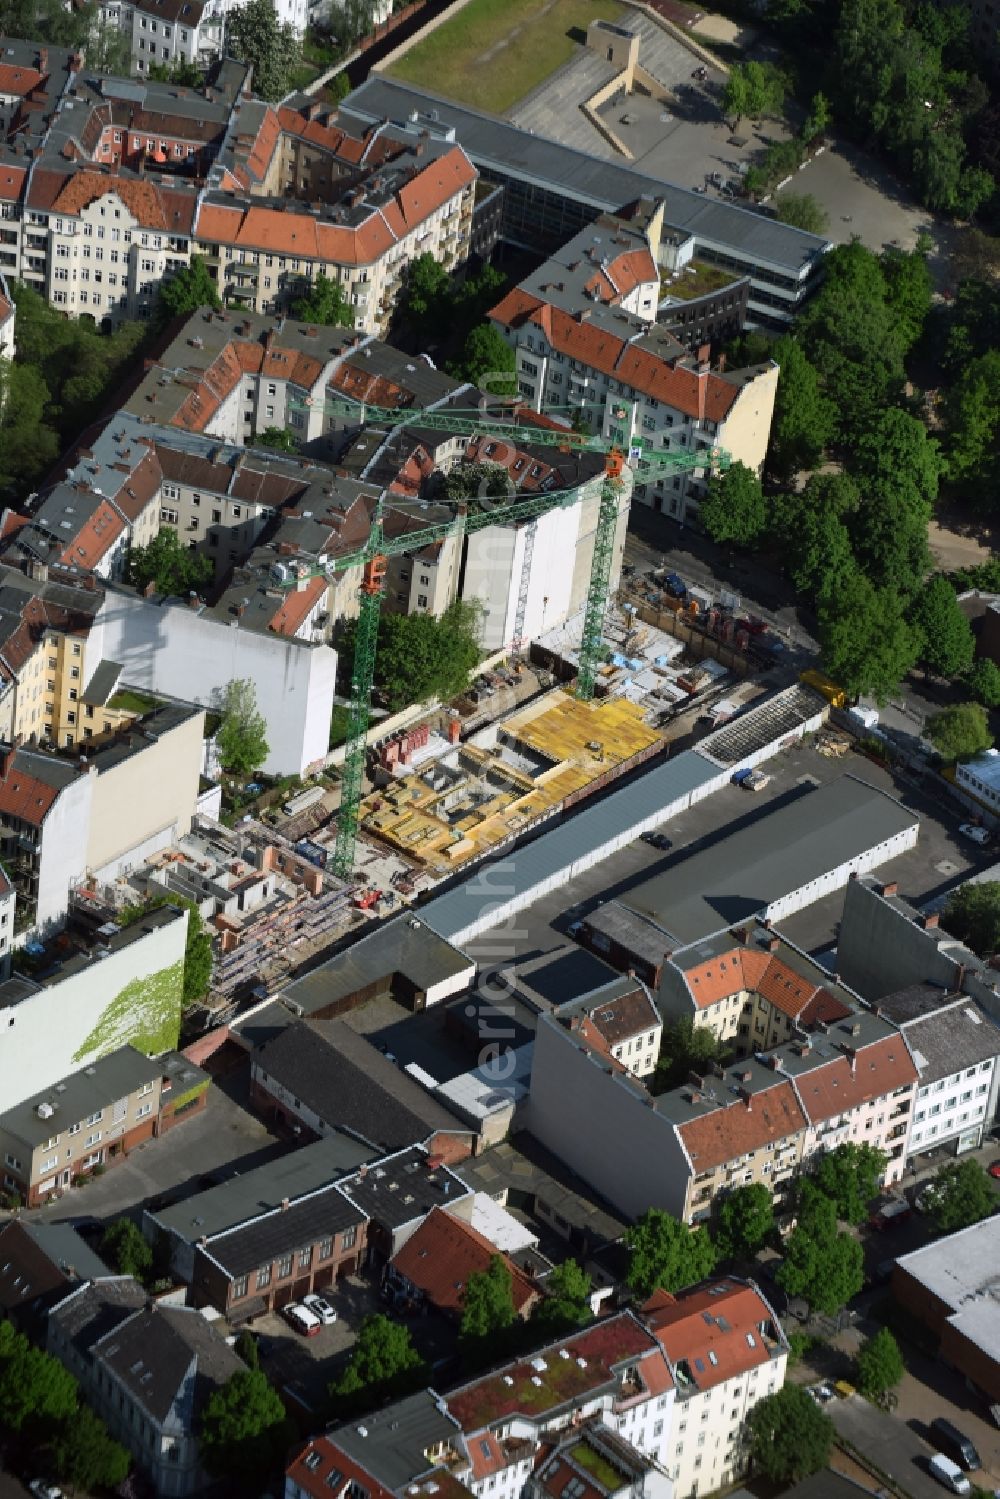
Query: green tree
x,y
256,36
810,527
959,732
665,1254
244,1431
962,1195
246,1348
108,49
123,1246
972,418
566,1304
790,1437
487,1304
984,682
182,74
972,914
733,509
383,1363
896,444
192,287
909,289
755,89
804,418
82,1453
487,360
850,1175
817,121
745,1219
171,566
35,1389
278,438
242,735
324,303
425,296
28,443
824,1266
948,642
802,211
866,644
879,1364
420,657
685,1048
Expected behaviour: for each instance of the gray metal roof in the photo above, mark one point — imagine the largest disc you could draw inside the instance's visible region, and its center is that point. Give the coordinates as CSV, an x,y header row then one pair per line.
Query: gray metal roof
x,y
553,852
950,1040
65,1248
491,142
768,858
523,1168
960,1266
284,1230
266,1187
79,1095
403,1187
391,1444
415,951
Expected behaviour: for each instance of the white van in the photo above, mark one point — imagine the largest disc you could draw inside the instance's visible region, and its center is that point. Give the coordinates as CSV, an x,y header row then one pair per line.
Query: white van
x,y
950,1474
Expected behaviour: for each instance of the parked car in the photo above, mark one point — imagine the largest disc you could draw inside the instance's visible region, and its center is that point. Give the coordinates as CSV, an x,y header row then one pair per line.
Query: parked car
x,y
43,1490
656,840
994,1169
320,1308
302,1319
950,1474
975,834
955,1444
890,1215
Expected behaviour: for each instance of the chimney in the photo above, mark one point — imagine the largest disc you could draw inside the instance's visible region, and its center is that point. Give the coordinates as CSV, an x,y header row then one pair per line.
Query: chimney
x,y
722,363
284,1204
695,1079
576,1023
889,888
741,935
43,60
930,921
775,1063
194,602
773,943
747,1098
7,763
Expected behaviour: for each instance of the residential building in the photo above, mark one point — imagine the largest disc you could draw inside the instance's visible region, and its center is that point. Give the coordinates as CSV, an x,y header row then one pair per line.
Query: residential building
x,y
487,1436
596,1461
433,1267
280,1255
124,988
956,1049
949,1287
39,1264
552,191
848,1080
727,1352
397,1192
91,1118
147,1369
620,1019
243,1199
319,1076
8,313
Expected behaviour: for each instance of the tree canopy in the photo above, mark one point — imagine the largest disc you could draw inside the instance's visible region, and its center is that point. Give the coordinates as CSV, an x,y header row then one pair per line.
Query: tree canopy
x,y
242,735
984,682
802,211
81,1451
684,1048
36,1391
879,1364
256,36
790,1437
972,914
821,1264
959,732
566,1304
169,565
961,1194
189,288
744,1220
948,642
383,1363
487,360
124,1247
804,418
421,657
244,1430
665,1254
850,1176
733,508
487,1303
324,303
755,89
866,643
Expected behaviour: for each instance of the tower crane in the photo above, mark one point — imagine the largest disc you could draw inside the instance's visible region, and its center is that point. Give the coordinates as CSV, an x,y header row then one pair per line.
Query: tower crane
x,y
373,556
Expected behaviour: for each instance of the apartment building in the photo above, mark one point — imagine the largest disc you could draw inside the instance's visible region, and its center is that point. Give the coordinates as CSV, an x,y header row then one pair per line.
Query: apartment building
x,y
433,1267
44,626
147,1369
757,1120
727,1352
620,1019
593,1460
487,1436
163,32
91,1118
956,1049
634,384
8,316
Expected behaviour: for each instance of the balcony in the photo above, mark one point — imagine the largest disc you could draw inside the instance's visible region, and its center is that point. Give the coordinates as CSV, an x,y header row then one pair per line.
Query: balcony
x,y
901,1111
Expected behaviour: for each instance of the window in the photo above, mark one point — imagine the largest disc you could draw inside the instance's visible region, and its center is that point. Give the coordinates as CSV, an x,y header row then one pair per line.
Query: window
x,y
284,1266
93,1139
263,1277
349,1238
50,1164
325,1249
421,601
239,1287
144,1108
305,1258
12,1162
95,1118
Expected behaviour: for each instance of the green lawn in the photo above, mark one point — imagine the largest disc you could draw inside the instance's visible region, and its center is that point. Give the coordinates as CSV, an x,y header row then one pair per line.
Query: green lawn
x,y
494,52
129,701
699,283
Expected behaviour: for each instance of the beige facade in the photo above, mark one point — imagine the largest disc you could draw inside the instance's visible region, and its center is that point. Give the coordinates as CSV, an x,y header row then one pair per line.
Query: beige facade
x,y
146,799
771,1165
102,261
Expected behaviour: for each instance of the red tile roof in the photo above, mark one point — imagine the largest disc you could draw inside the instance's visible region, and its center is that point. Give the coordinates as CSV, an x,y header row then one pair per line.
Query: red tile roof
x,y
295,606
18,82
705,396
311,1476
444,1252
22,795
688,1327
153,206
846,1083
754,971
620,277
11,182
95,538
745,1125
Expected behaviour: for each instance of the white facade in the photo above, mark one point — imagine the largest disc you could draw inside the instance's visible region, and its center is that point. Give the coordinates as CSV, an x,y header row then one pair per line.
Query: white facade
x,y
954,1106
709,1441
166,647
46,1034
62,843
102,260
881,1122
981,777
7,319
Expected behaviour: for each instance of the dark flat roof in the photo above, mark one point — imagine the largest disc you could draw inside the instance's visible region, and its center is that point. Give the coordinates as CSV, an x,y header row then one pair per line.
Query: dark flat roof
x,y
283,1230
402,1187
403,945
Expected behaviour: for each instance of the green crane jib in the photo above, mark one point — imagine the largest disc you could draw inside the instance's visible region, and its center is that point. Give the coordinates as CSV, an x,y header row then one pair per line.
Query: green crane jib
x,y
373,557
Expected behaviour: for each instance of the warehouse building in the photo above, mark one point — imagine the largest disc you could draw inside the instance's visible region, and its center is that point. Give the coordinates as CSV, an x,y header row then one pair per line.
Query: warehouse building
x,y
953,1287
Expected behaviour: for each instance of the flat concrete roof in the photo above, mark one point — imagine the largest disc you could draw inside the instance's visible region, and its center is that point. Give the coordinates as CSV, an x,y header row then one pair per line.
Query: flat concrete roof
x,y
407,945
960,1268
768,858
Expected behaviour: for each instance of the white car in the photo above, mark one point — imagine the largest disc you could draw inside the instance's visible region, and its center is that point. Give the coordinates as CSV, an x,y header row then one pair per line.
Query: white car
x,y
302,1319
43,1490
975,834
320,1308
